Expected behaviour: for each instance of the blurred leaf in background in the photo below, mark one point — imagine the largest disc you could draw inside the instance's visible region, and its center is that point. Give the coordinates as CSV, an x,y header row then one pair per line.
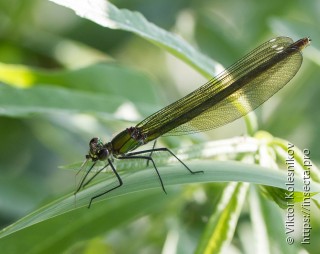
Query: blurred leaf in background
x,y
64,79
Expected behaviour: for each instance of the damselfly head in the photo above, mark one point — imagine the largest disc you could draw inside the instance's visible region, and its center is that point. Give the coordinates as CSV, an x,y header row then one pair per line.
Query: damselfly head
x,y
97,150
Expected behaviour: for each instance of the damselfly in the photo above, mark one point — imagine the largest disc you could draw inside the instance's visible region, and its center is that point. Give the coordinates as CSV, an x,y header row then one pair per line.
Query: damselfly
x,y
235,92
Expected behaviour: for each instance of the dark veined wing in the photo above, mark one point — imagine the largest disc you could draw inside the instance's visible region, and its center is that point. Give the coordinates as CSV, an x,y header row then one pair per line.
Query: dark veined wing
x,y
241,88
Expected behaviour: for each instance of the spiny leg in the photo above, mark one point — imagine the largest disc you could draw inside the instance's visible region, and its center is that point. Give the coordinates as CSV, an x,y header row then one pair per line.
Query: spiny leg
x,y
97,173
103,193
81,168
150,155
149,159
84,178
164,149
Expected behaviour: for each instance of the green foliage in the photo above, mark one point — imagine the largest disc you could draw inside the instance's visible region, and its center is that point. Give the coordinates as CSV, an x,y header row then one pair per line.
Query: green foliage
x,y
48,114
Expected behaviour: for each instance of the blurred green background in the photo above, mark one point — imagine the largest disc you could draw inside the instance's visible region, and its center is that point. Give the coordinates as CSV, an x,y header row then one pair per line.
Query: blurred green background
x,y
48,37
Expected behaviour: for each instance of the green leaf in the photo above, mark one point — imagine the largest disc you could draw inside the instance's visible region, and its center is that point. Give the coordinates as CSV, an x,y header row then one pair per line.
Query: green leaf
x,y
99,78
99,89
107,15
50,99
59,233
297,158
262,244
221,226
146,179
283,197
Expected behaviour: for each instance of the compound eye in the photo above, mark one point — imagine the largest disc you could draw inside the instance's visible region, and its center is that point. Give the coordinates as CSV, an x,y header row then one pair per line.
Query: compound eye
x,y
95,147
94,142
103,154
